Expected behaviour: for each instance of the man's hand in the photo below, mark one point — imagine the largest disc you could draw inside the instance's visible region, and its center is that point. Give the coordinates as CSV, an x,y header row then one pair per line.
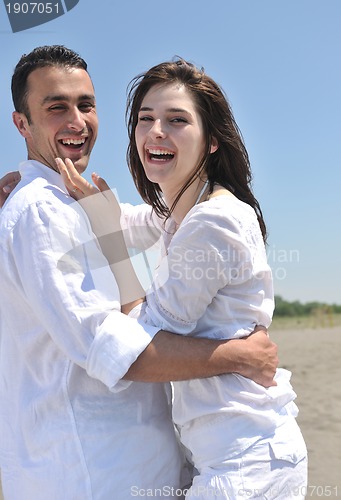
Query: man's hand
x,y
258,359
7,184
177,357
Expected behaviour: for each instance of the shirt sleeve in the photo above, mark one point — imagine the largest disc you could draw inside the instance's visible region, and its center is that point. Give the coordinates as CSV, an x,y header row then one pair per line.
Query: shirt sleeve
x,y
141,226
70,288
208,253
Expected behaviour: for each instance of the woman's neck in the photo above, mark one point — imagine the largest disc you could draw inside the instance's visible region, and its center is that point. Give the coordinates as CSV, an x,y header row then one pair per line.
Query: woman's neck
x,y
195,193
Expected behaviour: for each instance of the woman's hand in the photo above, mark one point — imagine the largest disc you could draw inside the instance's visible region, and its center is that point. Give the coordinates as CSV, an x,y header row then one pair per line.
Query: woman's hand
x,y
98,201
7,184
104,213
77,186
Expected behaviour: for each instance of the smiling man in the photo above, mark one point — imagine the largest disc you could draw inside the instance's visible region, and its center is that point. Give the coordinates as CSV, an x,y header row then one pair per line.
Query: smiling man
x,y
64,343
69,427
56,114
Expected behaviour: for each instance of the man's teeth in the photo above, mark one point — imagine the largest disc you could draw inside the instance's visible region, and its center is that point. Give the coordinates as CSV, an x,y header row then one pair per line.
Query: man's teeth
x,y
76,142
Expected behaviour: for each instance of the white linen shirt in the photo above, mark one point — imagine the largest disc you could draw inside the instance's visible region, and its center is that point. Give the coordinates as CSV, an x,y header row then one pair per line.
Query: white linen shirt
x,y
214,281
66,433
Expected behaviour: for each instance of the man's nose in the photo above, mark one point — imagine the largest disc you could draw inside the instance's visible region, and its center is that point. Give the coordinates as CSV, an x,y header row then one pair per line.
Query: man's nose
x,y
76,120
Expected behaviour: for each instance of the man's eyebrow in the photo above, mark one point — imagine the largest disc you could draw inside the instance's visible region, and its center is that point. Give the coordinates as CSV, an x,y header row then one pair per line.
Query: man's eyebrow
x,y
61,97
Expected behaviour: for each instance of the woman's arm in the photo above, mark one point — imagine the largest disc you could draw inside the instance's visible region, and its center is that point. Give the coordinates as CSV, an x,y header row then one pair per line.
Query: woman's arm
x,y
174,357
209,272
104,212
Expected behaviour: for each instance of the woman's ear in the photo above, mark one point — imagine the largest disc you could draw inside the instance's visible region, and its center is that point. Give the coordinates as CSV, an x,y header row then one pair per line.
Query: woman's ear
x,y
21,122
214,145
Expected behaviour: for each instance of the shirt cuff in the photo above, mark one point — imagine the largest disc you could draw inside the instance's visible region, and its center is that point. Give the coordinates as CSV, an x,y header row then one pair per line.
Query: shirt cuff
x,y
118,343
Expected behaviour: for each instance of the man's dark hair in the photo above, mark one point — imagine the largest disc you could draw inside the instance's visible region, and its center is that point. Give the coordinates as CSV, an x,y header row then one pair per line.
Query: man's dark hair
x,y
48,55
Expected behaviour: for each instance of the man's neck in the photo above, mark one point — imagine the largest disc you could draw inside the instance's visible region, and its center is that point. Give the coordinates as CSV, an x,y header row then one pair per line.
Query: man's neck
x,y
43,161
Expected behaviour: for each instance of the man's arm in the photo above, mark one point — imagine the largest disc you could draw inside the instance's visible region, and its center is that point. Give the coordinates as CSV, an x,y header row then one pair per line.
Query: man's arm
x,y
176,357
170,356
173,357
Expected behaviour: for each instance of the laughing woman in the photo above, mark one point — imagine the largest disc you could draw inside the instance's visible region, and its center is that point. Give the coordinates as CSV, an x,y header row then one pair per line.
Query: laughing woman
x,y
189,162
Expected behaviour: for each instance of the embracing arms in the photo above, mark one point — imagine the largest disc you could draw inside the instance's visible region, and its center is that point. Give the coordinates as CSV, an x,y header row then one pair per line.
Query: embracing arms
x,y
175,357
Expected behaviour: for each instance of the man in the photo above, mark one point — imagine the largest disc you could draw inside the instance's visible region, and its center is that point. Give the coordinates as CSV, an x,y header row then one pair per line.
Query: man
x,y
68,430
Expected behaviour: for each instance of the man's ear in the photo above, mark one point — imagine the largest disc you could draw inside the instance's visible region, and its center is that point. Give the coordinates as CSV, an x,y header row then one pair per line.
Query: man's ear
x,y
214,145
21,122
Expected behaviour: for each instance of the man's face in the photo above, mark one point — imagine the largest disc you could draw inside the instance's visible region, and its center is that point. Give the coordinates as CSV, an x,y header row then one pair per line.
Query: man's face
x,y
63,116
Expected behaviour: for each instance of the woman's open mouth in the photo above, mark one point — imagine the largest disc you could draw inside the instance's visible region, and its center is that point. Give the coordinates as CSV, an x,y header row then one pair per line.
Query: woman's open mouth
x,y
160,154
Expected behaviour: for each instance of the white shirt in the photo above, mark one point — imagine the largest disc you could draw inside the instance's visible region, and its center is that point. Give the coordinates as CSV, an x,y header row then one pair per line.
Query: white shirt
x,y
65,434
214,281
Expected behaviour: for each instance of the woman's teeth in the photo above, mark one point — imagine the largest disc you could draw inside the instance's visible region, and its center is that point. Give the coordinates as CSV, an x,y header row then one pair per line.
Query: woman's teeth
x,y
159,154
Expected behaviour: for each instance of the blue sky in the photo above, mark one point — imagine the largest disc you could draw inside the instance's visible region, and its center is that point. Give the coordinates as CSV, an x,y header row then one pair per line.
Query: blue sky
x,y
279,63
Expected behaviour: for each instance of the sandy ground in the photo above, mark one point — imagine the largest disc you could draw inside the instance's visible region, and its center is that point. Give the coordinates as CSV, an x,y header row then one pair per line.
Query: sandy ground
x,y
313,355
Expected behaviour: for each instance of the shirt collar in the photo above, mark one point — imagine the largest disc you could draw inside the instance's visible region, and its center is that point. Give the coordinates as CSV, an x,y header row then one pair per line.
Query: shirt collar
x,y
29,166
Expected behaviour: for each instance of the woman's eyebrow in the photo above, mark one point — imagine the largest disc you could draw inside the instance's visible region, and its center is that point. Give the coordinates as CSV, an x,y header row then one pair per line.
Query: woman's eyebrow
x,y
169,110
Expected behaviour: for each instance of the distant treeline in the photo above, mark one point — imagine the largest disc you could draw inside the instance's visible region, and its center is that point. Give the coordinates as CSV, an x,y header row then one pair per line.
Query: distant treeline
x,y
285,308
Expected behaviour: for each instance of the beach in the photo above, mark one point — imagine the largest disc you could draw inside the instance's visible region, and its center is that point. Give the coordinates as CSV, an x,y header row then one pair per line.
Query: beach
x,y
313,356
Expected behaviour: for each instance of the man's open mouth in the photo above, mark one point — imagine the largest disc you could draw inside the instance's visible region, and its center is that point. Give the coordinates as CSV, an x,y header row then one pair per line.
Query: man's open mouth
x,y
73,143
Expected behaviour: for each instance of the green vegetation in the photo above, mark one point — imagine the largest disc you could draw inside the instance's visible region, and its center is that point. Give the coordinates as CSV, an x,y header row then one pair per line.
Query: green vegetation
x,y
285,308
309,315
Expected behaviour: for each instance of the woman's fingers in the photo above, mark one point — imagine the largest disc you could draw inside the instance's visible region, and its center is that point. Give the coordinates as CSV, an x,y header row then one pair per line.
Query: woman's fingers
x,y
65,175
100,182
77,186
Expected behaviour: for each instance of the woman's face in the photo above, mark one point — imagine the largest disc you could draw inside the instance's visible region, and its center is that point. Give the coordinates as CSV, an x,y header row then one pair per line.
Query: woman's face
x,y
169,136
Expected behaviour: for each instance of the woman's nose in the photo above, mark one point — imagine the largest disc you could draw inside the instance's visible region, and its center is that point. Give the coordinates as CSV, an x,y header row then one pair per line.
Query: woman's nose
x,y
158,129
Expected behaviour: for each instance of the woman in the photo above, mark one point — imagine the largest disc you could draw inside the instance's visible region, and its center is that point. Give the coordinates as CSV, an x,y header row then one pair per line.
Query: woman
x,y
188,161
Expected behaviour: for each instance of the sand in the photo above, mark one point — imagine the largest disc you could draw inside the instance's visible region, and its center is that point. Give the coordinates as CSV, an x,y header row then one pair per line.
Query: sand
x,y
313,355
